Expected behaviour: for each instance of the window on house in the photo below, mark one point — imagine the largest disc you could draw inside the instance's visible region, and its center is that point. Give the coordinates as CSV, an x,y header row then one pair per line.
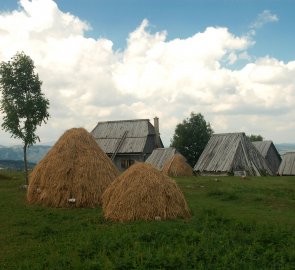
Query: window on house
x,y
126,163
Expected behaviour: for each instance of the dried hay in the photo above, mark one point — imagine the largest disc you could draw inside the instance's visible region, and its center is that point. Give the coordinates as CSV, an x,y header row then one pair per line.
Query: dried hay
x,y
74,173
177,166
143,193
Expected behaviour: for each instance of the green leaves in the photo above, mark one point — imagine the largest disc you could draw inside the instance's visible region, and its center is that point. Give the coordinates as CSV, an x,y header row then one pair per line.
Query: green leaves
x,y
191,137
255,138
23,104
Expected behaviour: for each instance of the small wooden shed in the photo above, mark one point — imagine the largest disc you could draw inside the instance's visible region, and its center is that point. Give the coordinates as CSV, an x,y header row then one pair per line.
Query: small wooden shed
x,y
231,154
170,162
268,150
160,156
287,166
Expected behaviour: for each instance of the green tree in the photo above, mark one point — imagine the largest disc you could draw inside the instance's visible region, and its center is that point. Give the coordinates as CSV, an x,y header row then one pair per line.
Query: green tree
x,y
255,138
191,136
23,104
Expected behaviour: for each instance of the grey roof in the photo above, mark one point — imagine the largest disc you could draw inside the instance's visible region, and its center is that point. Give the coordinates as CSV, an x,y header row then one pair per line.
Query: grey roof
x,y
287,166
159,156
262,147
268,150
229,152
108,135
130,145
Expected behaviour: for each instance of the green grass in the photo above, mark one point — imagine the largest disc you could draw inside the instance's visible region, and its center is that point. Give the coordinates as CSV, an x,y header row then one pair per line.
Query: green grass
x,y
235,224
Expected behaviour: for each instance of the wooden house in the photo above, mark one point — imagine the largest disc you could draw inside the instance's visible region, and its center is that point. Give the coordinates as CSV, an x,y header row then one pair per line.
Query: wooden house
x,y
287,166
270,153
231,154
127,141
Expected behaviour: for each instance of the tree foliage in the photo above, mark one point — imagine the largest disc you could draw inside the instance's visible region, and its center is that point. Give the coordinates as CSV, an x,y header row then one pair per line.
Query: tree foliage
x,y
255,138
23,104
191,136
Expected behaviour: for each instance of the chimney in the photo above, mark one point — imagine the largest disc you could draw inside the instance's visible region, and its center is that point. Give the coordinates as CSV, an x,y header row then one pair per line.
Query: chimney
x,y
157,136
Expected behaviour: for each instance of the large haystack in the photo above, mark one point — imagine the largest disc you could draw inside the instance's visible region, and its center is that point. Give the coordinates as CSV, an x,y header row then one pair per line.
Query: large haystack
x,y
74,173
143,193
177,166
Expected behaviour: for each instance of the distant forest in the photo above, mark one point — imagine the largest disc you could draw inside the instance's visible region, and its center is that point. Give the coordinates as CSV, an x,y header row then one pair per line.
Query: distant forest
x,y
14,165
35,153
12,157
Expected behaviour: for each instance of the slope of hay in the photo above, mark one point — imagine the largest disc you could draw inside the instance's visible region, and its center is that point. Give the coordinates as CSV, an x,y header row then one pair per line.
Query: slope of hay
x,y
143,193
74,173
177,166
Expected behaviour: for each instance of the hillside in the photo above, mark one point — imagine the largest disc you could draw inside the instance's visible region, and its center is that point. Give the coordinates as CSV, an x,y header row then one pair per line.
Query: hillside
x,y
14,164
34,154
285,147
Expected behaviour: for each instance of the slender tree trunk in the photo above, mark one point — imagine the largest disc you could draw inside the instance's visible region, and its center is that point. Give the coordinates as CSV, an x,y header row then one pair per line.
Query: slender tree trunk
x,y
26,164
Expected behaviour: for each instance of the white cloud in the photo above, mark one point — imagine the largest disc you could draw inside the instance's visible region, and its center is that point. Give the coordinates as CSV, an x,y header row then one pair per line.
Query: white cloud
x,y
263,18
150,61
87,81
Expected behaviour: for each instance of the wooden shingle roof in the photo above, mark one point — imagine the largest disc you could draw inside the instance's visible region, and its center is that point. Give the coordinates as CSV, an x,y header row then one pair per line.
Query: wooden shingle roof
x,y
159,156
287,166
262,147
268,150
109,133
229,152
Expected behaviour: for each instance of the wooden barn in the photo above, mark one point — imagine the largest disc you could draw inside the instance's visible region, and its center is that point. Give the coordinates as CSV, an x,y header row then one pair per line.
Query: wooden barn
x,y
287,166
231,154
127,141
270,153
160,156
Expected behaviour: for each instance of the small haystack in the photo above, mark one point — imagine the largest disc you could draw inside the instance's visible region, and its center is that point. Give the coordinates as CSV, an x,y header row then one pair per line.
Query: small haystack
x,y
74,173
177,166
143,193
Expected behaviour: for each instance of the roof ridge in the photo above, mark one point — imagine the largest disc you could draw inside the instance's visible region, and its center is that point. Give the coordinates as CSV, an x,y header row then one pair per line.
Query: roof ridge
x,y
266,141
117,121
229,133
115,138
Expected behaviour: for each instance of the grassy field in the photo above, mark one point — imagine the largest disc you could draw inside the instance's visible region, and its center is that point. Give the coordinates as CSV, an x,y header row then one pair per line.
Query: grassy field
x,y
235,224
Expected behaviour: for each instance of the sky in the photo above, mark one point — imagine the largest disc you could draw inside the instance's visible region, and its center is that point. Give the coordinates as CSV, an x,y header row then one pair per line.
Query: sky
x,y
233,61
